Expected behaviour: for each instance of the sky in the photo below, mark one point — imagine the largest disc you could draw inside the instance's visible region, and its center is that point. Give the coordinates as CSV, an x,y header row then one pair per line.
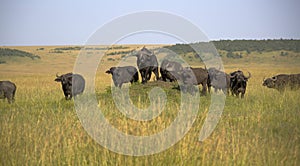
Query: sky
x,y
73,22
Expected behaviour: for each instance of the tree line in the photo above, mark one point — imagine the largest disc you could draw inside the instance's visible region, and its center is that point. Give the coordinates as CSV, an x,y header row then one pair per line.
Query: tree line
x,y
239,45
258,45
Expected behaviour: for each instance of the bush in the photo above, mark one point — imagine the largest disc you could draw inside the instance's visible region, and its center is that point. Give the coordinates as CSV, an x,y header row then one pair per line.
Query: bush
x,y
110,59
56,51
234,56
68,48
284,53
119,52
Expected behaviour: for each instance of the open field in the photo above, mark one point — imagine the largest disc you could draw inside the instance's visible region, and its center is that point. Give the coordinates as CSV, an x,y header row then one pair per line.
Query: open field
x,y
42,128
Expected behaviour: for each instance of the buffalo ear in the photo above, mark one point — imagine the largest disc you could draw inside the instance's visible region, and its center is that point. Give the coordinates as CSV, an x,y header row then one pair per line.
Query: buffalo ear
x,y
274,78
112,69
58,79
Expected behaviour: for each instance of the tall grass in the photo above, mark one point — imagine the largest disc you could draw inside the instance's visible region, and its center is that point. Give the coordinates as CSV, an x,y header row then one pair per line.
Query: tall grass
x,y
42,128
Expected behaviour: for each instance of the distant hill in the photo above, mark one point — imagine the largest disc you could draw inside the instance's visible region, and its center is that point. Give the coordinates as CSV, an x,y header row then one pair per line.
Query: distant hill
x,y
7,52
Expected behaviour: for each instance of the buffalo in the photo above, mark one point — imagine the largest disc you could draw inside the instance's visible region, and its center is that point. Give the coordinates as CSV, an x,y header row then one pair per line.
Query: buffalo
x,y
124,74
170,71
238,83
147,63
195,76
282,81
8,90
72,84
219,80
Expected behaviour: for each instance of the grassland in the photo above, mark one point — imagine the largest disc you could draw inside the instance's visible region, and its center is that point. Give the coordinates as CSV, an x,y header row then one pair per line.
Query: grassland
x,y
41,128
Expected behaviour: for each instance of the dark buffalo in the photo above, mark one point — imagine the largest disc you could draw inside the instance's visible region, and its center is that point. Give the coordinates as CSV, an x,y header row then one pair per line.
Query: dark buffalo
x,y
238,83
72,84
219,80
170,71
195,76
147,63
7,90
124,74
282,81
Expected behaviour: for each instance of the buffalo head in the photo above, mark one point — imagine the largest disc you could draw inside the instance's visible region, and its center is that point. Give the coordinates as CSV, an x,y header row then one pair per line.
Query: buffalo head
x,y
270,82
64,79
111,70
239,76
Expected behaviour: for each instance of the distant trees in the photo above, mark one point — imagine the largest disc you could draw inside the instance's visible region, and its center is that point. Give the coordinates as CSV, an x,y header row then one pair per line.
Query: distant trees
x,y
118,47
235,47
40,49
68,48
119,52
258,45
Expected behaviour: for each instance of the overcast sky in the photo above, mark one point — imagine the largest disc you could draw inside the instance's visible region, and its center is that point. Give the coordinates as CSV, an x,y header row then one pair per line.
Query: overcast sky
x,y
69,22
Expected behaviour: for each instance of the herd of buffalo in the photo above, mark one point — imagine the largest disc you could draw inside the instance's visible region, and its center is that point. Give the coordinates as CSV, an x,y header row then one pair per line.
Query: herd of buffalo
x,y
188,77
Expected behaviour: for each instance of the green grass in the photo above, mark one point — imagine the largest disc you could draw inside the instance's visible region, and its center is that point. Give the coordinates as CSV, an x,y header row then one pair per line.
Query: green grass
x,y
41,128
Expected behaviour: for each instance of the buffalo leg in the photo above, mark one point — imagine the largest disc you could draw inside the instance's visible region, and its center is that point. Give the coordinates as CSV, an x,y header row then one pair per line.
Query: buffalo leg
x,y
209,88
148,75
120,85
203,89
233,90
143,74
163,76
225,91
242,95
156,73
2,95
9,97
13,95
66,95
184,88
216,90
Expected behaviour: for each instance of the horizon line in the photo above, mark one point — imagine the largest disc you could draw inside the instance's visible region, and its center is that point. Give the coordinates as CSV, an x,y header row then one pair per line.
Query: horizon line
x,y
213,40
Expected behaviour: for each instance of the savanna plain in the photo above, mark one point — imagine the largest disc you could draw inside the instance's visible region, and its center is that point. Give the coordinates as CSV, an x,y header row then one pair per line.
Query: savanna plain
x,y
42,128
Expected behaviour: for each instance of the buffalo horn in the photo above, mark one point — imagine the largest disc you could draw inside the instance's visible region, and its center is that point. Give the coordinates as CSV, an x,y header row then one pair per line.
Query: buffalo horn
x,y
232,76
249,75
